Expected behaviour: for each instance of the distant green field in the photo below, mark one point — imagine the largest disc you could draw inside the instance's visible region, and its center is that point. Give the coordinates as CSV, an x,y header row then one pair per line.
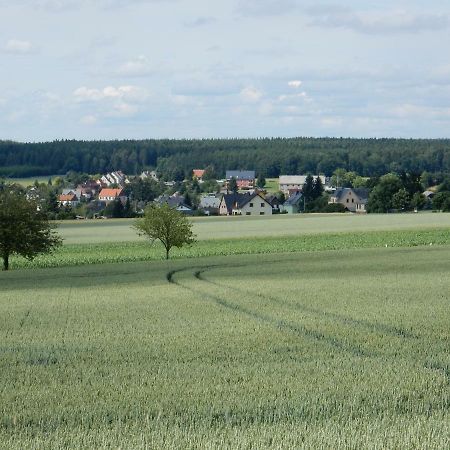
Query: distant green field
x,y
119,230
343,349
272,185
25,182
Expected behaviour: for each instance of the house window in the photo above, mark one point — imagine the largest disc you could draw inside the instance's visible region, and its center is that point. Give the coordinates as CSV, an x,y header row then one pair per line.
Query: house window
x,y
248,213
353,200
261,213
251,205
347,200
262,205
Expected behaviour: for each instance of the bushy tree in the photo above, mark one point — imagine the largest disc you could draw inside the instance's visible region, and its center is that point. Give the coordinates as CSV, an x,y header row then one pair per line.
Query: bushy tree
x,y
167,225
380,199
24,230
232,185
401,200
261,181
308,188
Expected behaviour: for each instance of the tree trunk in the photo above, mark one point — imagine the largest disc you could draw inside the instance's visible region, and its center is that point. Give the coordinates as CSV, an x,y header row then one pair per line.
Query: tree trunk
x,y
6,262
167,253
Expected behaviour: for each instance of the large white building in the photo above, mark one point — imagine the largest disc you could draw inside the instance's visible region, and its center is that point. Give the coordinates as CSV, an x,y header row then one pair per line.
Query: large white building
x,y
295,182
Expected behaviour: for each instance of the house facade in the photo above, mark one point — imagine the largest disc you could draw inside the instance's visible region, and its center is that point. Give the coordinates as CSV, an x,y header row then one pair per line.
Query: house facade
x,y
244,205
295,182
69,199
109,195
294,204
355,200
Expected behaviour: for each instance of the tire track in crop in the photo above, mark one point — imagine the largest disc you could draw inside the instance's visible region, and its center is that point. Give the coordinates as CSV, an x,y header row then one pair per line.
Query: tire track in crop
x,y
381,327
300,330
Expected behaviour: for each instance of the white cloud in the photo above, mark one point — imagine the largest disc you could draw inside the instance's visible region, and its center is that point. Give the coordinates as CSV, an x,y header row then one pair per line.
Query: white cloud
x,y
137,67
132,94
251,94
294,84
18,47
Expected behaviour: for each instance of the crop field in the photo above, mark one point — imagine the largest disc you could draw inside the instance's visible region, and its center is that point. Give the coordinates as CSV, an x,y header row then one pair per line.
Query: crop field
x,y
206,228
344,348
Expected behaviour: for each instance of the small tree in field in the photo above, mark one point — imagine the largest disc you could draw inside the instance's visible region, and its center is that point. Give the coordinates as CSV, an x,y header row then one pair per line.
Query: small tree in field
x,y
167,225
23,230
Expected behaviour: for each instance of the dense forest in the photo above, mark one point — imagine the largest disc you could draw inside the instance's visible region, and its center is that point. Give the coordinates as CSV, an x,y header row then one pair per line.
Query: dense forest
x,y
268,156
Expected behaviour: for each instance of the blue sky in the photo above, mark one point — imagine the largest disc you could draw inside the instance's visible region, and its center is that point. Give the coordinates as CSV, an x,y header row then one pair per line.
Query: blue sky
x,y
103,69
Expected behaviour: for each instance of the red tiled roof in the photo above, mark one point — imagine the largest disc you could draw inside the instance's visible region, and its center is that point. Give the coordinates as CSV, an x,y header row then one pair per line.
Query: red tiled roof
x,y
68,198
111,193
198,173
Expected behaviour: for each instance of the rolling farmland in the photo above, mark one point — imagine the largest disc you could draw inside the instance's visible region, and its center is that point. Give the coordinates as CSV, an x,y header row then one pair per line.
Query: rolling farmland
x,y
328,340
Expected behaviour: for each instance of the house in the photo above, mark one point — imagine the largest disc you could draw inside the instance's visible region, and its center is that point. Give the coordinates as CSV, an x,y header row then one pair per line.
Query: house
x,y
355,200
146,174
245,179
274,201
109,195
295,182
244,204
198,173
69,199
294,204
428,195
176,202
118,178
210,203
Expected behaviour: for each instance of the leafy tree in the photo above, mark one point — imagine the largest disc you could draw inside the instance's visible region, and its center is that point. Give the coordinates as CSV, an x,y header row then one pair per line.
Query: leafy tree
x,y
401,200
261,181
24,230
115,209
167,225
418,201
232,185
440,200
317,188
380,199
308,188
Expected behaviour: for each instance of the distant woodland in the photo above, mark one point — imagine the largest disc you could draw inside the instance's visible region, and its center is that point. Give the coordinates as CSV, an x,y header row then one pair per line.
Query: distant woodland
x,y
269,157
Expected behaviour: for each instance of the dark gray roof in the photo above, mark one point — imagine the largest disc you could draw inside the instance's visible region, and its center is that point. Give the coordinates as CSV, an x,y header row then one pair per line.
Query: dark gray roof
x,y
240,174
294,199
239,200
362,193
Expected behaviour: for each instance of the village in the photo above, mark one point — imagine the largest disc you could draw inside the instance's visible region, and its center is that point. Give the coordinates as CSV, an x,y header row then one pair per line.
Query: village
x,y
241,192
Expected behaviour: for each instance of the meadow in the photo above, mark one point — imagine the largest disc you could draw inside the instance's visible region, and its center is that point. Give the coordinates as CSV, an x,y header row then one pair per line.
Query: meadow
x,y
284,332
328,349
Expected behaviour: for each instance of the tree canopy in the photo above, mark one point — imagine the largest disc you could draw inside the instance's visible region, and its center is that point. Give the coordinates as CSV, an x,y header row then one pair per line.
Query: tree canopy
x,y
24,230
167,225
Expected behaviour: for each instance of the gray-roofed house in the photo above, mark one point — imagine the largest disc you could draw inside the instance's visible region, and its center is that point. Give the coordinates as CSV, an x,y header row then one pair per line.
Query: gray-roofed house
x,y
294,204
176,202
355,200
244,204
210,203
245,179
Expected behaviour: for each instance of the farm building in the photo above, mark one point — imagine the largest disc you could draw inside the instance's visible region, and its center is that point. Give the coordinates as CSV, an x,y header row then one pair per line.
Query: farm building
x,y
109,195
295,182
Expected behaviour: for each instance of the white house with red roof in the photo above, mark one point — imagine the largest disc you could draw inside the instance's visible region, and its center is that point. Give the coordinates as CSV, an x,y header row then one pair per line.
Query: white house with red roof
x,y
108,195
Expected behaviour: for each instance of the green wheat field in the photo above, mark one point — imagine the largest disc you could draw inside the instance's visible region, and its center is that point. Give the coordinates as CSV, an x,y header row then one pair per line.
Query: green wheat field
x,y
338,338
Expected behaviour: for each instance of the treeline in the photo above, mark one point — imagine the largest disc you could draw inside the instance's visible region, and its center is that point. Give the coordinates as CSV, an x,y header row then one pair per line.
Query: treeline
x,y
269,156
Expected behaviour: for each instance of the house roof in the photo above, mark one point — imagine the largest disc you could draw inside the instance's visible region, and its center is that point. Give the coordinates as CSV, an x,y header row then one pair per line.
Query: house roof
x,y
111,192
294,199
198,173
68,198
237,200
240,174
297,179
362,193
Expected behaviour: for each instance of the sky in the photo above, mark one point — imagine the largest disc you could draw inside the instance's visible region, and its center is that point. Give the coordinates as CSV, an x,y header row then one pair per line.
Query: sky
x,y
114,69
